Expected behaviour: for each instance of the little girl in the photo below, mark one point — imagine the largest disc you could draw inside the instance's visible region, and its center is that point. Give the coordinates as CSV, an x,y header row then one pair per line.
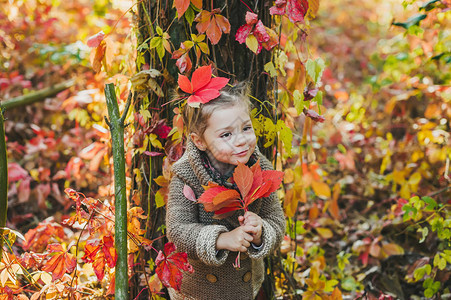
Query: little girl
x,y
220,134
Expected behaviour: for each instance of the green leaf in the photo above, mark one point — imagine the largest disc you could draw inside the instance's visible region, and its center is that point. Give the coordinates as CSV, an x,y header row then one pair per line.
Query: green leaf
x,y
419,273
159,30
431,204
349,284
315,69
414,20
160,50
299,103
424,233
189,15
269,67
155,42
330,284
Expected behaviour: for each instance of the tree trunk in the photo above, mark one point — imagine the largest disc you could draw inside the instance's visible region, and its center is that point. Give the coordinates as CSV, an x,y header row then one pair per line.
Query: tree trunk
x,y
3,181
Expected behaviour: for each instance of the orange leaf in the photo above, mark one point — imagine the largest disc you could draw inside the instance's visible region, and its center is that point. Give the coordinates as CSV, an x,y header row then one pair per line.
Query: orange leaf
x,y
60,263
321,189
333,208
243,178
181,6
213,24
336,295
226,197
197,3
97,56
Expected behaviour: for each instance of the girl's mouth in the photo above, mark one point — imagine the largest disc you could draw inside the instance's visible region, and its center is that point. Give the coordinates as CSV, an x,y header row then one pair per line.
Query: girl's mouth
x,y
242,153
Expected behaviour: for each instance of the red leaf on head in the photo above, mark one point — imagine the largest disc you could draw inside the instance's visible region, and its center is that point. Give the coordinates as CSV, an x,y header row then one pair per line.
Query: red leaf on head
x,y
185,84
201,77
216,83
169,266
207,95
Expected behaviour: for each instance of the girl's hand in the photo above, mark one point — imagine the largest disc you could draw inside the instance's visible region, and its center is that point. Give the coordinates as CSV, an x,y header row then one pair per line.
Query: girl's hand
x,y
238,239
252,219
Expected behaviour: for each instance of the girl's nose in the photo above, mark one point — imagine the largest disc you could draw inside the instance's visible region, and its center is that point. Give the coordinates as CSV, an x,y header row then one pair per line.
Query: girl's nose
x,y
240,140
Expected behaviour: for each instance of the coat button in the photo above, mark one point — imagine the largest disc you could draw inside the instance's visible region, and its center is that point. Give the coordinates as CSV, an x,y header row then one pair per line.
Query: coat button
x,y
211,278
247,276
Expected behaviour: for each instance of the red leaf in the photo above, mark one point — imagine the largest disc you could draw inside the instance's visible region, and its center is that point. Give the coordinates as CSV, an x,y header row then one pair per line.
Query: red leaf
x,y
260,32
243,32
152,153
243,178
184,63
296,10
16,172
251,18
95,40
279,7
100,253
313,115
169,266
275,178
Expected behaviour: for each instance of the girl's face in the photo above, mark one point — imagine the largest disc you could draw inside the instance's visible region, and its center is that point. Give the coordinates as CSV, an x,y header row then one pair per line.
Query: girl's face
x,y
229,137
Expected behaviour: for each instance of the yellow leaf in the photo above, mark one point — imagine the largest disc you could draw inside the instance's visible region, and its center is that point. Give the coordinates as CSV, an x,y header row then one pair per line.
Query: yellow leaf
x,y
159,199
325,233
415,179
154,141
392,249
321,189
405,191
399,177
252,43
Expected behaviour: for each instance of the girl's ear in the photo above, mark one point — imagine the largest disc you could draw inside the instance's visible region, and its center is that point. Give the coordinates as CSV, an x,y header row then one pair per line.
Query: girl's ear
x,y
198,141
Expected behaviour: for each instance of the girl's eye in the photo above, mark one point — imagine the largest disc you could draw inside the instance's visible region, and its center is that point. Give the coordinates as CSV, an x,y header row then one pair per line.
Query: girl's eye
x,y
247,128
225,135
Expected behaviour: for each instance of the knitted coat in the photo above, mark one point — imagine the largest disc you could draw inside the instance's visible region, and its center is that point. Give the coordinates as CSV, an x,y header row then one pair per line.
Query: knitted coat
x,y
194,231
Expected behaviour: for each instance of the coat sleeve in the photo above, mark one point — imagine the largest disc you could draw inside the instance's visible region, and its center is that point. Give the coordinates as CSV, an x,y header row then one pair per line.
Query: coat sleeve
x,y
186,232
273,229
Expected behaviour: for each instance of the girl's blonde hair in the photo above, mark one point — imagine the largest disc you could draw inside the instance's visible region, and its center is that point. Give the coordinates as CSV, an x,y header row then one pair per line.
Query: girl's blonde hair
x,y
196,119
